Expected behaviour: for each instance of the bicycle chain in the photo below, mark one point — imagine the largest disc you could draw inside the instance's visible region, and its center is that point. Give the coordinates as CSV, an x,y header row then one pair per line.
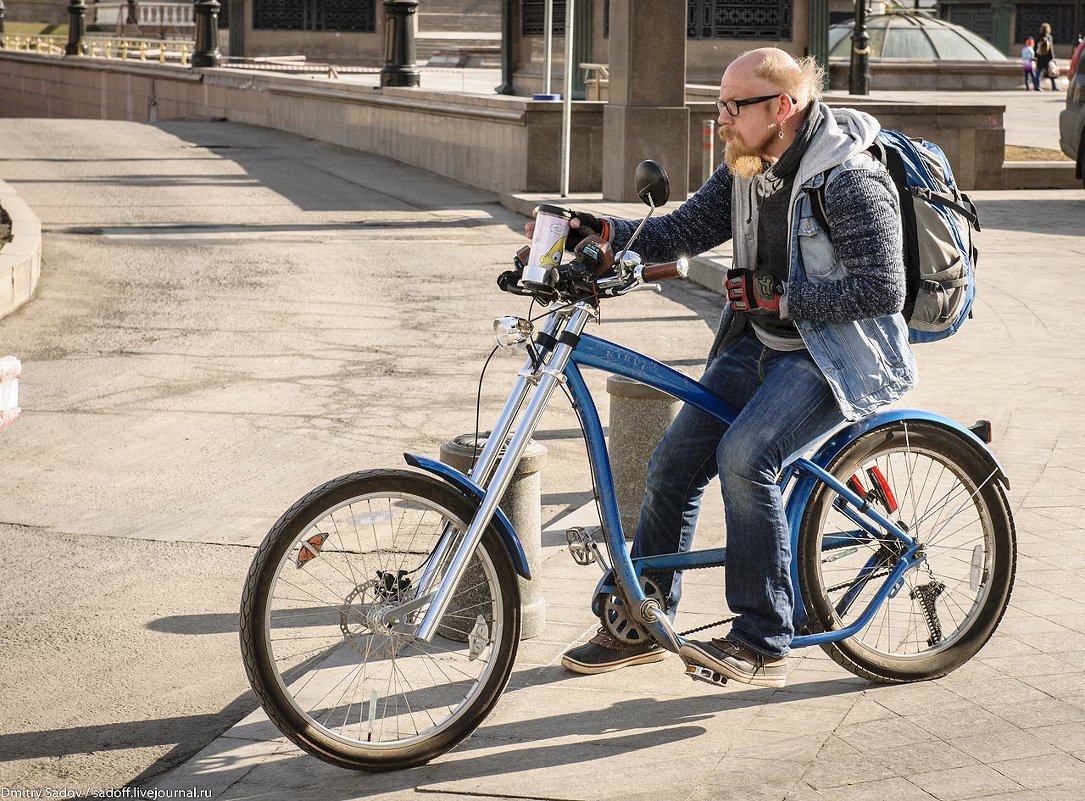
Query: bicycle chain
x,y
845,585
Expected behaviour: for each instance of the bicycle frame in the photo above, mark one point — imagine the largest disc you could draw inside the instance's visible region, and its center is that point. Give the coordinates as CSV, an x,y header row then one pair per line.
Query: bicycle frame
x,y
565,352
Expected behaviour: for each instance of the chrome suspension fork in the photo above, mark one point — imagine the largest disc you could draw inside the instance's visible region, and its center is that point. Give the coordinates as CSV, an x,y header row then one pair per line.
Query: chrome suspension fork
x,y
546,376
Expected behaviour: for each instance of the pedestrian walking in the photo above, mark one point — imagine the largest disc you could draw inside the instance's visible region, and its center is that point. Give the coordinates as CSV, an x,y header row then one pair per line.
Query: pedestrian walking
x,y
1028,64
1046,66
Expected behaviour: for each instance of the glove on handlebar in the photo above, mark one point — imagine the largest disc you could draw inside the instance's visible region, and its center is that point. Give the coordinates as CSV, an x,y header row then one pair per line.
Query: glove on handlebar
x,y
590,225
754,291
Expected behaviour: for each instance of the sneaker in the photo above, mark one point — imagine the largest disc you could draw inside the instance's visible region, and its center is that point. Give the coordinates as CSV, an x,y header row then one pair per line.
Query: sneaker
x,y
734,661
603,653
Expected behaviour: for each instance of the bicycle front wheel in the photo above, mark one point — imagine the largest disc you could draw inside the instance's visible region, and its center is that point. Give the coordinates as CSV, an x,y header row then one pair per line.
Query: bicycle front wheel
x,y
335,678
946,496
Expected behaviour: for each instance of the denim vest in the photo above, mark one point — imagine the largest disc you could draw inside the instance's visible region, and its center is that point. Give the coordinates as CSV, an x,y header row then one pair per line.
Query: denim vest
x,y
867,363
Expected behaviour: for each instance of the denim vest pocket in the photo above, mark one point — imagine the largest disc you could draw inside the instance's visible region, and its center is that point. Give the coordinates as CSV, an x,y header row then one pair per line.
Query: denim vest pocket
x,y
818,256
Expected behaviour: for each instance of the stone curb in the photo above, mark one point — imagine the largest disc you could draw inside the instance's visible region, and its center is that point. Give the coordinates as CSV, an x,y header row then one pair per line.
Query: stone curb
x,y
20,259
1040,175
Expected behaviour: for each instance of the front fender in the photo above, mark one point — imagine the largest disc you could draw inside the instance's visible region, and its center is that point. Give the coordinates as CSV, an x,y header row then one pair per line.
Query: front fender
x,y
470,488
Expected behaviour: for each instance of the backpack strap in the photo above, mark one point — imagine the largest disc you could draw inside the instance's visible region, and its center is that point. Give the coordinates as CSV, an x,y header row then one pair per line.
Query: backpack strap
x,y
817,206
962,204
817,195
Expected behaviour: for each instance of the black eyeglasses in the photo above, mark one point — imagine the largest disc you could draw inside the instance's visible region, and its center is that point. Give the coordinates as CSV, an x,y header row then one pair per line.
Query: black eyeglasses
x,y
732,106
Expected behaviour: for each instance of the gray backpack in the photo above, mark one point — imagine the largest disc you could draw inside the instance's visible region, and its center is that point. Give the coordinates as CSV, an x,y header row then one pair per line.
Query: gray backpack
x,y
938,220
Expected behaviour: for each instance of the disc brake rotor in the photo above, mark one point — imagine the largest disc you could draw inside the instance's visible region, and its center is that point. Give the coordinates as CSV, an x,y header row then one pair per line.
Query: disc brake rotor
x,y
360,624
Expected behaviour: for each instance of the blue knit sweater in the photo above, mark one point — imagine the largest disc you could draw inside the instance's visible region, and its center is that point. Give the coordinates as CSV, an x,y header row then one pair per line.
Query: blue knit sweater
x,y
864,224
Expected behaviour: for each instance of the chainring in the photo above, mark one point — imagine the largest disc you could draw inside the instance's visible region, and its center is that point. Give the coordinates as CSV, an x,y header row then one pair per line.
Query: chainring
x,y
619,621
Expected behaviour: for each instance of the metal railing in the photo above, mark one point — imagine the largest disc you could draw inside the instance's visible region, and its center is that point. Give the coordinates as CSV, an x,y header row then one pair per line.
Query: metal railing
x,y
176,51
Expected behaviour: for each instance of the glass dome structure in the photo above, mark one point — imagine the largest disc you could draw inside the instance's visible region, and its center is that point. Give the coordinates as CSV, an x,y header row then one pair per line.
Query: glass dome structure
x,y
908,34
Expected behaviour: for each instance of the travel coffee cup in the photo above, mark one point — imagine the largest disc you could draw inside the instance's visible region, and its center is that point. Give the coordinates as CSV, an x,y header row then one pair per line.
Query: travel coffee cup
x,y
547,245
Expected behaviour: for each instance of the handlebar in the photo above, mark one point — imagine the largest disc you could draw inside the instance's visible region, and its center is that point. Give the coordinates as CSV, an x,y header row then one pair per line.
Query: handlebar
x,y
666,270
583,280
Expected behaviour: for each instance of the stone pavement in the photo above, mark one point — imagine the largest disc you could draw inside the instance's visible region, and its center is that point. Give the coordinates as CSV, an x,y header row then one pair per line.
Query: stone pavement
x,y
1009,725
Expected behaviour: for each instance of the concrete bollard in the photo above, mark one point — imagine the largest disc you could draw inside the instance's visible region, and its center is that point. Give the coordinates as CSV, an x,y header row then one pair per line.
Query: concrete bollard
x,y
522,506
639,415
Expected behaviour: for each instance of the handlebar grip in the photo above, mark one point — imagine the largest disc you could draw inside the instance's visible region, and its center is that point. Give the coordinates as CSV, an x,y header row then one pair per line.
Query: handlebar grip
x,y
667,270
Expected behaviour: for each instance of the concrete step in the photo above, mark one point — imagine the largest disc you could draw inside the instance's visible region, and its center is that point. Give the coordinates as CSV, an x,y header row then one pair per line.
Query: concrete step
x,y
485,23
1040,175
474,48
465,15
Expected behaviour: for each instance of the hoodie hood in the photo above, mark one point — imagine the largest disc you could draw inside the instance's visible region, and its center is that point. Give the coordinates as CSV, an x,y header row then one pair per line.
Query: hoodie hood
x,y
843,133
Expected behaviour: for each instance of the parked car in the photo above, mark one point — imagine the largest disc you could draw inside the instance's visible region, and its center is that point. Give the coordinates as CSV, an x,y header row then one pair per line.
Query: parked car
x,y
1072,118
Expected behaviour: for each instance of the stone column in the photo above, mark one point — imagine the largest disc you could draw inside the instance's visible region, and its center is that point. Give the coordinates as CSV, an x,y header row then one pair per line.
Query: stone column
x,y
582,39
639,414
1002,12
522,505
237,28
817,19
646,117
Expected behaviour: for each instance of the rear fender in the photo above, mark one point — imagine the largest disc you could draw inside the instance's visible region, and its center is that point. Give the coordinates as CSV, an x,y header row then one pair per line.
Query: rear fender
x,y
845,436
473,490
804,487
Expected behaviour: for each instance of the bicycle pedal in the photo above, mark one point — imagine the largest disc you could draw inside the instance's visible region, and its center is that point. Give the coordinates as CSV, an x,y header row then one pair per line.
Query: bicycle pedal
x,y
581,545
701,673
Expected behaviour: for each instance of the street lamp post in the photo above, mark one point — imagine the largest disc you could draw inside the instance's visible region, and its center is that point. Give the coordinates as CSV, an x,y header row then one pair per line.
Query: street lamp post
x,y
399,48
508,31
205,51
859,78
77,17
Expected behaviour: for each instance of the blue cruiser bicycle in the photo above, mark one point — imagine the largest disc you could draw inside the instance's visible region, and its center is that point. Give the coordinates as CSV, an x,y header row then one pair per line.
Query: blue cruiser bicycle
x,y
380,618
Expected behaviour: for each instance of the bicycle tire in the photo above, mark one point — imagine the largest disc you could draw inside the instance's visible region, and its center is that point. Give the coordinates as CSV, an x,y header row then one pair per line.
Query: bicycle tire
x,y
312,648
929,472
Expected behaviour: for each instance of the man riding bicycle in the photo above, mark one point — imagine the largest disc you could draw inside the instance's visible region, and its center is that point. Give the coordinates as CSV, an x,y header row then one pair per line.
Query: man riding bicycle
x,y
811,335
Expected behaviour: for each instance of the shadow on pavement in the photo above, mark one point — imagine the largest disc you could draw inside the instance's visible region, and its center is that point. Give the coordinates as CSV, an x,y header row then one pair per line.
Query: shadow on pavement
x,y
625,726
1062,214
188,735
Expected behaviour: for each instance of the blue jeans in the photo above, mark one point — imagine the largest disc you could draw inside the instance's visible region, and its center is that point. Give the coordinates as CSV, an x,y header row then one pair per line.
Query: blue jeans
x,y
786,405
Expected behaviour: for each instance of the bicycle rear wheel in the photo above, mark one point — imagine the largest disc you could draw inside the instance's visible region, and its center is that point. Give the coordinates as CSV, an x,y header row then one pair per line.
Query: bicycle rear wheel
x,y
338,682
944,494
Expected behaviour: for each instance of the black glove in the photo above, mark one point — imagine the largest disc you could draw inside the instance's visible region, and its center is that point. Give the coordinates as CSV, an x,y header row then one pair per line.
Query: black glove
x,y
590,225
753,291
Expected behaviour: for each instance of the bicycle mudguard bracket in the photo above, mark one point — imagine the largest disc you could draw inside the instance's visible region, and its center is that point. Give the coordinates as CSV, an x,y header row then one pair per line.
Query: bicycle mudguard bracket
x,y
471,489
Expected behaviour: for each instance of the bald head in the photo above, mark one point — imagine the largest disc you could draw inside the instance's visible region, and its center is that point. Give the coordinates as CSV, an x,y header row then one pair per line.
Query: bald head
x,y
768,70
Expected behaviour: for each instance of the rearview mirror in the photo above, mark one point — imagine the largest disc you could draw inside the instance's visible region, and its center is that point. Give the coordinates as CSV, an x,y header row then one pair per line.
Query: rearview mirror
x,y
652,183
